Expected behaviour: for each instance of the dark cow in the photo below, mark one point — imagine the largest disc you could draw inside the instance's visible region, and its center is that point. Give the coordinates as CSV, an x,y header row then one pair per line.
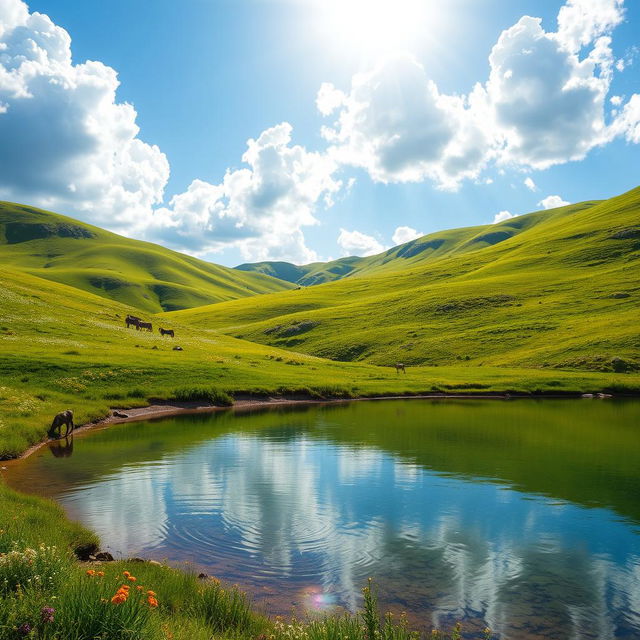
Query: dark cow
x,y
63,418
166,332
132,320
145,325
400,367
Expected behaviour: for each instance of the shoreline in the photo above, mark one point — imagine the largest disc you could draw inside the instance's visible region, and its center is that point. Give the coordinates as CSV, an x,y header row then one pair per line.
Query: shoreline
x,y
167,409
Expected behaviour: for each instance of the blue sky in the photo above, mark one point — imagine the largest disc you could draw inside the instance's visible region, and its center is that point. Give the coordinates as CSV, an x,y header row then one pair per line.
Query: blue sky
x,y
203,77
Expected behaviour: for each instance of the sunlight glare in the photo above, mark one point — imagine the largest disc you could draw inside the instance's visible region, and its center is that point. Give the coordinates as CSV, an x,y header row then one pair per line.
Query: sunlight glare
x,y
377,26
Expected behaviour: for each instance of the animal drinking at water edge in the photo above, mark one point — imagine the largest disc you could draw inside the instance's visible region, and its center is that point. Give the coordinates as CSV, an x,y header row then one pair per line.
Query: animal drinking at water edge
x,y
400,367
145,325
63,418
166,332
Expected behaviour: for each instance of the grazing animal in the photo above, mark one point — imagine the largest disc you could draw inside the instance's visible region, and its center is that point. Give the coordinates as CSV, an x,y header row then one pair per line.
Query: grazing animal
x,y
132,320
399,367
63,418
166,332
145,325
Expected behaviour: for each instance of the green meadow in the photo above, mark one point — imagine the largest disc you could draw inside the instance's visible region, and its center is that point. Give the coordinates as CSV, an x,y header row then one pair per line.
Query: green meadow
x,y
550,290
542,303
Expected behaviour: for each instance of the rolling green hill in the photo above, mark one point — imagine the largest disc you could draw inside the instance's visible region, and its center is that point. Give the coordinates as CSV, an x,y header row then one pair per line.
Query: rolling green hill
x,y
143,275
435,245
553,289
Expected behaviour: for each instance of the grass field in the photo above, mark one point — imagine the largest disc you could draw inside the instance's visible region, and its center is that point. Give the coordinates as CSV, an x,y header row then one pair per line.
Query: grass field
x,y
556,289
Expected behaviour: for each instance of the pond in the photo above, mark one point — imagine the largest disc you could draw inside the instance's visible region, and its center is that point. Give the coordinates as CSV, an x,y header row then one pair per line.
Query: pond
x,y
522,515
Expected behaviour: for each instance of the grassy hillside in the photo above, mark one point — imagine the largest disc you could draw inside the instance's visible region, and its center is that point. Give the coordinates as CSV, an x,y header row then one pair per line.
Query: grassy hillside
x,y
426,248
62,347
554,289
146,276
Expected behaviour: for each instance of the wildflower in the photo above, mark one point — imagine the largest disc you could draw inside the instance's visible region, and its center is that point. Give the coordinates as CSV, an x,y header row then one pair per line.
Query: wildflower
x,y
140,588
152,601
91,572
119,598
24,629
126,574
46,614
131,578
151,593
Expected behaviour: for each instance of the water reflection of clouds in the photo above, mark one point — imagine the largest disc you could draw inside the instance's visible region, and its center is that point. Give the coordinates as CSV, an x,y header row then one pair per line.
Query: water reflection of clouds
x,y
319,513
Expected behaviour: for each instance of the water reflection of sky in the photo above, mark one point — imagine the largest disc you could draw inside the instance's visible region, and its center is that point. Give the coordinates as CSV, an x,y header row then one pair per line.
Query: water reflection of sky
x,y
294,514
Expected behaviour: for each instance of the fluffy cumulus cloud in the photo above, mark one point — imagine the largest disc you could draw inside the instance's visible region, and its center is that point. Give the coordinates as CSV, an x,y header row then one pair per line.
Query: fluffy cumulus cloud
x,y
66,142
260,209
530,184
405,234
396,124
582,21
544,103
356,243
501,216
552,202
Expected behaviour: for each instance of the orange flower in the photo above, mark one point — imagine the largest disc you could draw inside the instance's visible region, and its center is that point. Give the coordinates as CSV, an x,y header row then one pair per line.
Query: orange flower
x,y
152,602
91,572
151,593
126,574
139,588
119,598
131,578
100,573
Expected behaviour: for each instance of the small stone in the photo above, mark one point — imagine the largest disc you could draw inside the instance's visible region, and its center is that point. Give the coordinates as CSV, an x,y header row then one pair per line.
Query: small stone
x,y
202,576
155,562
104,556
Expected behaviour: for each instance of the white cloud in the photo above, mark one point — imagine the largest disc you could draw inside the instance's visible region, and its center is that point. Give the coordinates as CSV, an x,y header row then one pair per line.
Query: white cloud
x,y
547,105
67,143
530,184
398,126
260,209
543,104
405,234
616,101
552,202
329,98
627,123
355,243
502,216
582,21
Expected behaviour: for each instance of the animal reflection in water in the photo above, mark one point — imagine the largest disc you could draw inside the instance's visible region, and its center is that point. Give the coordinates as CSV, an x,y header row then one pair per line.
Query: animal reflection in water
x,y
62,448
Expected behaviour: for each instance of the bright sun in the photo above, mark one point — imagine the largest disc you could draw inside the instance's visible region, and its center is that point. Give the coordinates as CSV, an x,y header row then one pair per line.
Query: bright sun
x,y
376,26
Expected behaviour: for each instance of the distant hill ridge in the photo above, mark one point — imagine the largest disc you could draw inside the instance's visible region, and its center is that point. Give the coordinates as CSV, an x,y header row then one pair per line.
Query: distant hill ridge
x,y
143,275
428,247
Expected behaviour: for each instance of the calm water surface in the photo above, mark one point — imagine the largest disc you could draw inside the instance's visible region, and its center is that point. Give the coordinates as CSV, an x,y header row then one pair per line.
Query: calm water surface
x,y
520,515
